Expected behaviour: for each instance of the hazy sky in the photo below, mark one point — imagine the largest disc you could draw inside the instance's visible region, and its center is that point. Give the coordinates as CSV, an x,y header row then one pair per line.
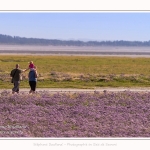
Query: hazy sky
x,y
131,26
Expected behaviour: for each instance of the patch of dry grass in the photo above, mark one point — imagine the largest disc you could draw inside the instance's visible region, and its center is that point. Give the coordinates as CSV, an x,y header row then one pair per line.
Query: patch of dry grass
x,y
86,71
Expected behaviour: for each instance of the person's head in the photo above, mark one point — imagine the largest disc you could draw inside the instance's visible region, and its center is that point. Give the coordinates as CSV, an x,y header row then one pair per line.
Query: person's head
x,y
31,62
17,65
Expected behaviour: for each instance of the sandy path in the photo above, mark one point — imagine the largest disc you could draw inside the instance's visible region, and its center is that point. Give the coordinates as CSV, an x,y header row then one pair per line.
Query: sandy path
x,y
54,90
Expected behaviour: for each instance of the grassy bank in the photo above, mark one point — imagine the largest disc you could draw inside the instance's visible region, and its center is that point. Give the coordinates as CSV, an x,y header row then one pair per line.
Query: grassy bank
x,y
79,71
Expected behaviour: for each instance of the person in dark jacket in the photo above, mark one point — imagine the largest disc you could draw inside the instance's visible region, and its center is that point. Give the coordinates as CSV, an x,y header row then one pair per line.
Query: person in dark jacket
x,y
32,80
16,76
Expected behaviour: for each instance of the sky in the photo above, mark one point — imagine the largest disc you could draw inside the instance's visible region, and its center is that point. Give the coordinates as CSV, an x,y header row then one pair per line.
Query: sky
x,y
82,25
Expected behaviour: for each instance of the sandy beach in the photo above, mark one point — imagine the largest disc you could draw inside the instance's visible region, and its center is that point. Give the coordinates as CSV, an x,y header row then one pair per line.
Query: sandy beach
x,y
75,50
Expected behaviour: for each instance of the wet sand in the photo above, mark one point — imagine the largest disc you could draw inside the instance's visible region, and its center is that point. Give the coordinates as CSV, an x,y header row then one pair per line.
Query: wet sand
x,y
75,50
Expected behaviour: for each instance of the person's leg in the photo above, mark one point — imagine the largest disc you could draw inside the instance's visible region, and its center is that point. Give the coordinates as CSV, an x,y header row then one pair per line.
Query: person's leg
x,y
16,87
34,86
13,89
17,90
30,83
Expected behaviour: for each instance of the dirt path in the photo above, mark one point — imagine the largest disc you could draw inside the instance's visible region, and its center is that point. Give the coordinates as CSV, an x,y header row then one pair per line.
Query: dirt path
x,y
141,89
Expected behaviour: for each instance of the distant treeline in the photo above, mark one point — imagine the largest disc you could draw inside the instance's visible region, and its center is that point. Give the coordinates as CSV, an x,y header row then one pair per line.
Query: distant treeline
x,y
6,39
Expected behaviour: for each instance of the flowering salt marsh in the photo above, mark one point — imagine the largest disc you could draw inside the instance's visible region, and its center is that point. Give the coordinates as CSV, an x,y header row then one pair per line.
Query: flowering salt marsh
x,y
97,114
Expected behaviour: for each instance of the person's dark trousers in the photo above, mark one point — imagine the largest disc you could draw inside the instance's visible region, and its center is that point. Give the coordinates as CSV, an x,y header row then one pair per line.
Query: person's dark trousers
x,y
16,86
32,85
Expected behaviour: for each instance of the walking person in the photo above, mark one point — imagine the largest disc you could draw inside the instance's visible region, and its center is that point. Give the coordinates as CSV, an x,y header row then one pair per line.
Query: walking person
x,y
32,80
16,76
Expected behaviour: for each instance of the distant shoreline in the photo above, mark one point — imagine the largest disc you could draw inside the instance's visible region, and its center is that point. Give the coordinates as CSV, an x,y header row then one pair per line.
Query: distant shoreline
x,y
75,50
88,55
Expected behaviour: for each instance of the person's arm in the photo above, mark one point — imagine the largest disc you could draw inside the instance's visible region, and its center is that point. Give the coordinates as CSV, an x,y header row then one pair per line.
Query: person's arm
x,y
21,70
12,73
25,69
36,75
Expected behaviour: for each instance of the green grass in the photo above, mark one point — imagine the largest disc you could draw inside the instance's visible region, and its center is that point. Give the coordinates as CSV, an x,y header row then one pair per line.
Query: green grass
x,y
79,71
